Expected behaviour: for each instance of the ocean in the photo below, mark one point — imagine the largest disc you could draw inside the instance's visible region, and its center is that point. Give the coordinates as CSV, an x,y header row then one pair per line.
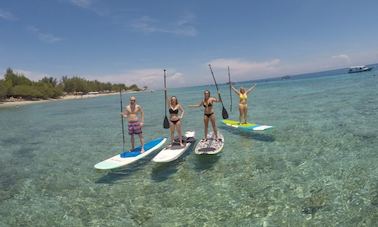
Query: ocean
x,y
316,167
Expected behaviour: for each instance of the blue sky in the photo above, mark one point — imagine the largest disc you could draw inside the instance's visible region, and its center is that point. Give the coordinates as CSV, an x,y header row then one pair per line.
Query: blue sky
x,y
133,41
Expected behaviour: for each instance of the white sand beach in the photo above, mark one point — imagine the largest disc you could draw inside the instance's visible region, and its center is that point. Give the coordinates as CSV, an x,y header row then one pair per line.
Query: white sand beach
x,y
19,102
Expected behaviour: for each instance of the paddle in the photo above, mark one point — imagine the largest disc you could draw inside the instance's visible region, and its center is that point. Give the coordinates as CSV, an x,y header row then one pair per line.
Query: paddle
x,y
166,122
229,81
123,130
224,111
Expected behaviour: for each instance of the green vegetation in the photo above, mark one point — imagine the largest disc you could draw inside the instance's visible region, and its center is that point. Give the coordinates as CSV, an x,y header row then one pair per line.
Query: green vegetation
x,y
19,86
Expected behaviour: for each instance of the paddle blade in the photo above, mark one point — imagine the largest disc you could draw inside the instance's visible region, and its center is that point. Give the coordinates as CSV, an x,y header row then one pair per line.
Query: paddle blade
x,y
166,122
224,113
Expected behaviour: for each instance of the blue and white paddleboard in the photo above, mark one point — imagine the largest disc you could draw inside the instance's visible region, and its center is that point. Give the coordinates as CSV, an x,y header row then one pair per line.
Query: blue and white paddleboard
x,y
248,126
128,157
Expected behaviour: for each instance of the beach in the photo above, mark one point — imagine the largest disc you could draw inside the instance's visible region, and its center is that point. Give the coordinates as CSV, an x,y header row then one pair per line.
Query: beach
x,y
17,102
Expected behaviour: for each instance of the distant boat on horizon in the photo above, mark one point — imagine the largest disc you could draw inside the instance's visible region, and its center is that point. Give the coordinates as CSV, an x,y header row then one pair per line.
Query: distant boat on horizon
x,y
361,68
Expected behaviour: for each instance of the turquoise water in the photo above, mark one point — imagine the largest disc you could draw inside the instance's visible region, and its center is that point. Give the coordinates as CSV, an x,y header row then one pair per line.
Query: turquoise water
x,y
317,166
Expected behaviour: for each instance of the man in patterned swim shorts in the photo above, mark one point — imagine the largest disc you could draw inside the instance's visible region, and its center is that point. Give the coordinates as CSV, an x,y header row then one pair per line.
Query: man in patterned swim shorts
x,y
134,125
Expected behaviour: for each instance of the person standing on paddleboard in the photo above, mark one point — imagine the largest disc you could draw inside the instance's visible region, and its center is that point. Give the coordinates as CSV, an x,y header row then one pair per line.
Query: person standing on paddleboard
x,y
134,125
176,113
209,114
243,102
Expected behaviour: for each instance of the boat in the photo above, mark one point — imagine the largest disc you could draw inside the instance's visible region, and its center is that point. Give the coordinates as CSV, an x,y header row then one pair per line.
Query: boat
x,y
361,68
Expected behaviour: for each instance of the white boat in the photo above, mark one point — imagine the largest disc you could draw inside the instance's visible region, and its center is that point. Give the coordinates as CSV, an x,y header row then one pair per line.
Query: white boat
x,y
361,68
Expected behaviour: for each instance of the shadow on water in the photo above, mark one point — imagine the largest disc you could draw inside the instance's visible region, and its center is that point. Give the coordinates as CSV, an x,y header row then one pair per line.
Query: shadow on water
x,y
118,174
205,162
162,171
250,134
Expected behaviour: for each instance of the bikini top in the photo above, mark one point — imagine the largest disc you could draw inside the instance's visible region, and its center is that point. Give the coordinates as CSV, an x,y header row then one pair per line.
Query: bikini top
x,y
208,105
243,96
172,111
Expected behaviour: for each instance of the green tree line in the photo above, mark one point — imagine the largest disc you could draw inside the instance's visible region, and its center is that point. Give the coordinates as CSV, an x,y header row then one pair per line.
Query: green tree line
x,y
18,86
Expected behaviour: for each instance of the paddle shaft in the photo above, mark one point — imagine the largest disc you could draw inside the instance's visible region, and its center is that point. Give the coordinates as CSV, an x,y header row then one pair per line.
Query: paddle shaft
x,y
229,81
165,122
165,92
123,130
224,111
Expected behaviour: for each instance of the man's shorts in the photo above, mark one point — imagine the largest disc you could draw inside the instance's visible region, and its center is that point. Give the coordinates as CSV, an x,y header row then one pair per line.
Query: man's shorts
x,y
134,128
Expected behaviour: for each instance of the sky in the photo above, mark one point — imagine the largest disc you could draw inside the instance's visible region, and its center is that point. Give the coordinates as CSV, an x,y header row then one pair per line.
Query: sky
x,y
131,42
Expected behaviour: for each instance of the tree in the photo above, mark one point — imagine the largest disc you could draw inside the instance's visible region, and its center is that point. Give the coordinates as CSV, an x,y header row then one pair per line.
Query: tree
x,y
49,80
25,91
16,79
5,86
134,87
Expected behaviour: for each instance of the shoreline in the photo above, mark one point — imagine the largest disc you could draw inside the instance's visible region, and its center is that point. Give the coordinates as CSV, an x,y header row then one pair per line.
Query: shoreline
x,y
17,103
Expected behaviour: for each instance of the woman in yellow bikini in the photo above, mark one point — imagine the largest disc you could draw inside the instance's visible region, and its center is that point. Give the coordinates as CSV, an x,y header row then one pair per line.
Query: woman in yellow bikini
x,y
243,102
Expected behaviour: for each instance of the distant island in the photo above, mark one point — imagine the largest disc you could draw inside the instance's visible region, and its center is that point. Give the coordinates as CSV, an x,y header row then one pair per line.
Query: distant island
x,y
17,87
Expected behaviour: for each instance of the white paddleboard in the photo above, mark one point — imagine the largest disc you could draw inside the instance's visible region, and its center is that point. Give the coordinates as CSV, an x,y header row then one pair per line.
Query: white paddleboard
x,y
210,146
174,151
128,157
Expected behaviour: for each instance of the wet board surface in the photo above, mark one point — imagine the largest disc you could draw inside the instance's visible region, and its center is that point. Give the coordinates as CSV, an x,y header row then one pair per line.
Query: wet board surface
x,y
248,126
211,145
174,151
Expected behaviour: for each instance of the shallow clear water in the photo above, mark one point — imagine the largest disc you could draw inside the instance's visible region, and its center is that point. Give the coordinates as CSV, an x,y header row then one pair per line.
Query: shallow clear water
x,y
317,166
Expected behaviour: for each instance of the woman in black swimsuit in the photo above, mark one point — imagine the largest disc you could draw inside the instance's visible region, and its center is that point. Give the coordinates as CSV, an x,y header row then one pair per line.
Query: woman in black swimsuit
x,y
207,103
175,123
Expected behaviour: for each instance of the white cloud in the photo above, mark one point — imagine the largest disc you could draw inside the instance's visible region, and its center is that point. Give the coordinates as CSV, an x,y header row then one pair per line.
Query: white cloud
x,y
91,5
82,3
6,15
247,70
182,27
34,76
152,78
45,37
343,58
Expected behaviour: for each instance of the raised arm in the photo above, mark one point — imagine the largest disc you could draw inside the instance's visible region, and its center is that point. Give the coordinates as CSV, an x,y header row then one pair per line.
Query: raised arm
x,y
251,89
235,90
